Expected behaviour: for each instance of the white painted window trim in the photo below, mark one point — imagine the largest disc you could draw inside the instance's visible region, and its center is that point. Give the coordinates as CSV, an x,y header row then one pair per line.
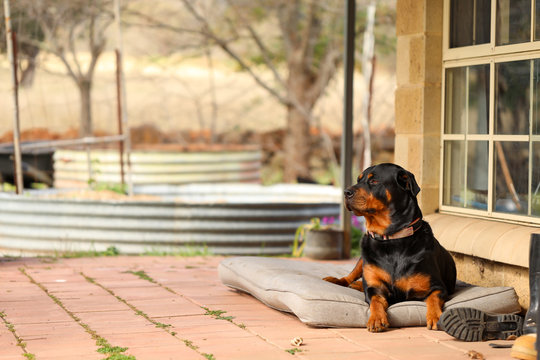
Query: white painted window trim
x,y
476,55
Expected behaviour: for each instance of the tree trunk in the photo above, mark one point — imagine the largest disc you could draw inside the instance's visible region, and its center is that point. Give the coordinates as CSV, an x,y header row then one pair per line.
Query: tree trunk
x,y
85,125
297,146
28,73
297,142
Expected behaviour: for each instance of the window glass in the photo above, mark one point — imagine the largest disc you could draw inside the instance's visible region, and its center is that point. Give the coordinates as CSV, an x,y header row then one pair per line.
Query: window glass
x,y
469,22
513,22
512,98
477,174
467,100
455,100
535,184
511,176
536,98
478,99
453,176
491,143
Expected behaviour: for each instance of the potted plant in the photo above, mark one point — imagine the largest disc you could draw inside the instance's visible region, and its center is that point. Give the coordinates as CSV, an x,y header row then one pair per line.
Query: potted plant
x,y
316,240
323,239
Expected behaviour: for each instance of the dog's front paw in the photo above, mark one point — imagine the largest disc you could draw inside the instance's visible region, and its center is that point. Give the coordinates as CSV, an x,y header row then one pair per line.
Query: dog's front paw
x,y
432,319
377,322
336,281
434,309
357,285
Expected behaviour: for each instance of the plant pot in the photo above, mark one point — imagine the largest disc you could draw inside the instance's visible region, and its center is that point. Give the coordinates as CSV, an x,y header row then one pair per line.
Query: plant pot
x,y
326,244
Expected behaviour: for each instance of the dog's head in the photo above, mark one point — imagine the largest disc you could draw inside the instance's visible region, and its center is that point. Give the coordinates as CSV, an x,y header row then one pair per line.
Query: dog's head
x,y
385,195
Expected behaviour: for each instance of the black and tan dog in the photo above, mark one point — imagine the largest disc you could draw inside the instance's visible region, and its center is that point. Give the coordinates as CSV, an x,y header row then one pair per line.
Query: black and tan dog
x,y
401,259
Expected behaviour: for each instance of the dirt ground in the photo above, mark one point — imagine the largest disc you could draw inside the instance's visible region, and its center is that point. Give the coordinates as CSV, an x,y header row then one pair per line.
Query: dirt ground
x,y
170,102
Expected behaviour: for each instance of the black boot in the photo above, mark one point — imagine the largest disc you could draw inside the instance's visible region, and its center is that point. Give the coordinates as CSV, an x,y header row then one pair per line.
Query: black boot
x,y
529,324
468,324
524,347
475,325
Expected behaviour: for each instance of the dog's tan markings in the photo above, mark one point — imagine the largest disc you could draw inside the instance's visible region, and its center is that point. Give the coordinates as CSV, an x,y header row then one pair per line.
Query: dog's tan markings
x,y
374,210
378,320
357,285
376,277
418,284
370,175
378,220
434,309
360,176
355,274
388,196
405,178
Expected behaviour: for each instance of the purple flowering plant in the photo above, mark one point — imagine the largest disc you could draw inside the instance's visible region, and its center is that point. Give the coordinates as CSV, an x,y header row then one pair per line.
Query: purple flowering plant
x,y
332,220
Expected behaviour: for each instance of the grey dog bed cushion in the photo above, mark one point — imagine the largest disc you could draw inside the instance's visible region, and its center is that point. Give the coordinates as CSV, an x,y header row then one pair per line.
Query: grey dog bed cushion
x,y
296,286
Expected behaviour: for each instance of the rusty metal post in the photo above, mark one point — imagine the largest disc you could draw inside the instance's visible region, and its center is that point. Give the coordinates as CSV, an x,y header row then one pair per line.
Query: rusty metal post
x,y
119,106
11,50
125,146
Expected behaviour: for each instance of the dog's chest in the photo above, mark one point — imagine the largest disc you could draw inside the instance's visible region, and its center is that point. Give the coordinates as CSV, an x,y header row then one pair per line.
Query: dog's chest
x,y
398,274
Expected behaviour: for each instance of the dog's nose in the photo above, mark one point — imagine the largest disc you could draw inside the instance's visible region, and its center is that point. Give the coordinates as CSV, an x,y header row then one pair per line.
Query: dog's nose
x,y
348,193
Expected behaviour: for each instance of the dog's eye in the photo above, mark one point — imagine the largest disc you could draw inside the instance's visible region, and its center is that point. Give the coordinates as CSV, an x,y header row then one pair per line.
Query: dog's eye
x,y
373,182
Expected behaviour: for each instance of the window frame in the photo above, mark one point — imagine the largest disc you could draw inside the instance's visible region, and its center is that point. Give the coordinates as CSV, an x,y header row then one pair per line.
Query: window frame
x,y
487,54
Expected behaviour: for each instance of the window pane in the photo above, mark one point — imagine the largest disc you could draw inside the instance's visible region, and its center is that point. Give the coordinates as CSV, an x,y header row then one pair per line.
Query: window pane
x,y
478,99
536,97
537,21
453,173
455,100
463,82
535,185
513,82
469,22
511,176
513,21
477,174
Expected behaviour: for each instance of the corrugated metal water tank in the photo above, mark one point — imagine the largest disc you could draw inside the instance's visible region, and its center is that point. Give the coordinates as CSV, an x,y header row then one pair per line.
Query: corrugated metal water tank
x,y
219,218
164,165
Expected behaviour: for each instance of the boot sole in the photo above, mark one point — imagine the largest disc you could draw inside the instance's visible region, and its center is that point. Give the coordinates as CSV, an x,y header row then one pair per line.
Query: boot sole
x,y
468,324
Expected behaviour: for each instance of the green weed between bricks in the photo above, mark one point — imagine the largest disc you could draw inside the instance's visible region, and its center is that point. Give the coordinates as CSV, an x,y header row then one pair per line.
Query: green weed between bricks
x,y
142,274
217,314
113,352
192,346
20,341
293,350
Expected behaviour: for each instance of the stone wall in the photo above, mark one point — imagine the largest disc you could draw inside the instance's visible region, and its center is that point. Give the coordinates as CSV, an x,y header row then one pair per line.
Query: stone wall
x,y
419,27
418,94
484,272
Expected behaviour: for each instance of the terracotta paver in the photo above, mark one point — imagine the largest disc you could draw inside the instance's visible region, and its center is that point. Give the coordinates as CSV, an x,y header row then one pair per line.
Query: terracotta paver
x,y
177,308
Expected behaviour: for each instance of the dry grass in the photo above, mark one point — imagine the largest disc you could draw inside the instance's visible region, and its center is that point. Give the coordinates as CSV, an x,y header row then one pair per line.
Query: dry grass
x,y
174,95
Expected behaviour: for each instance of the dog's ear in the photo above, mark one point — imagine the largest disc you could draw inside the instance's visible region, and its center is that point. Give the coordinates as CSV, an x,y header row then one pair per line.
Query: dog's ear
x,y
407,181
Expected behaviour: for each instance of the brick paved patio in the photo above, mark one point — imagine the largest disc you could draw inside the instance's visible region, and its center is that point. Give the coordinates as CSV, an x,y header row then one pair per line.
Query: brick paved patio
x,y
176,308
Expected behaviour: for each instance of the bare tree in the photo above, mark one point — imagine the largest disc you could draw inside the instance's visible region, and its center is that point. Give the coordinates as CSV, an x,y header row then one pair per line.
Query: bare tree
x,y
27,52
308,43
66,26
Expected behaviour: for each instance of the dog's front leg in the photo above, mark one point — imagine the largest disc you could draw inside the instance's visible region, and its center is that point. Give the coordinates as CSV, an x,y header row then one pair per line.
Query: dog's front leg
x,y
434,303
378,320
355,274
